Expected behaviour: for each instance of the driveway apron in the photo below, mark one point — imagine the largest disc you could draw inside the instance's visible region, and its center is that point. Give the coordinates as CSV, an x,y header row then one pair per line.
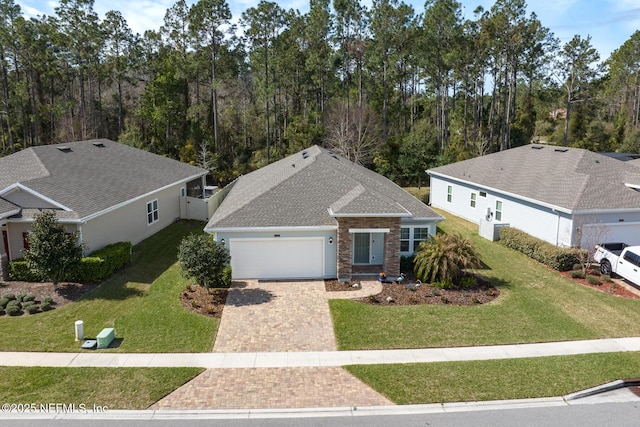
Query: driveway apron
x,y
276,316
270,317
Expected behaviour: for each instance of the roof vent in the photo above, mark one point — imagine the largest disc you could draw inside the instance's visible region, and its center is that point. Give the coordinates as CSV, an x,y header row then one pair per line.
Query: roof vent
x,y
561,150
305,155
536,147
64,149
99,144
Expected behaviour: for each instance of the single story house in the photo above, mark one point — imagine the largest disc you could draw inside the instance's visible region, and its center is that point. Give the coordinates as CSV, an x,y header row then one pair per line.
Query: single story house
x,y
315,214
106,191
565,196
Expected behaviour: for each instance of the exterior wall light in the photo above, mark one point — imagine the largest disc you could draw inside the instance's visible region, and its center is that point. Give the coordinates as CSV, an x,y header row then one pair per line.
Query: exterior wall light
x,y
330,240
222,242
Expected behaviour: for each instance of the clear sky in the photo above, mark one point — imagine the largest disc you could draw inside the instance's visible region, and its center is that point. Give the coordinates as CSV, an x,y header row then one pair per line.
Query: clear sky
x,y
609,22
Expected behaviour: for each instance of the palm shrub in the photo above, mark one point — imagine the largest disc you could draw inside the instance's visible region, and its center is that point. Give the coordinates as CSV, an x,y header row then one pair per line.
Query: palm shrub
x,y
444,257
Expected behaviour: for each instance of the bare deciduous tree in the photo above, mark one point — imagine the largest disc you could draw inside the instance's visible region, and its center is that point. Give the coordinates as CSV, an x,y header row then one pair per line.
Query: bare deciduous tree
x,y
353,133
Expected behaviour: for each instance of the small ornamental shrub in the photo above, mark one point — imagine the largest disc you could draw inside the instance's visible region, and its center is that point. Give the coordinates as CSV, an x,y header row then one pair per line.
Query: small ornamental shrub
x,y
443,284
13,303
374,299
606,278
3,302
13,310
30,307
593,280
29,297
46,306
9,296
577,274
20,297
475,300
48,300
468,282
444,299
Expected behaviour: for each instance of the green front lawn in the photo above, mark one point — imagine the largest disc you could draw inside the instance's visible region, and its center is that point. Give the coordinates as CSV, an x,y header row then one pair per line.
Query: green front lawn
x,y
496,379
114,388
141,302
535,305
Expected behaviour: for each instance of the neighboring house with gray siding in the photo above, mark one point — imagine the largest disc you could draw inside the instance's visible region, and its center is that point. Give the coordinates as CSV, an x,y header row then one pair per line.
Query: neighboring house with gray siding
x,y
318,215
565,196
106,191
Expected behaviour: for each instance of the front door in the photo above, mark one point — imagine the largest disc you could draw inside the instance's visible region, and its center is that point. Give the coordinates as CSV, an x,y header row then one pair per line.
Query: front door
x,y
5,240
361,248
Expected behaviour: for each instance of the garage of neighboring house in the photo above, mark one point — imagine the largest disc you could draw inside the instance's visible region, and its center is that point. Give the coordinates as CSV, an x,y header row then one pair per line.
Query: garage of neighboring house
x,y
277,257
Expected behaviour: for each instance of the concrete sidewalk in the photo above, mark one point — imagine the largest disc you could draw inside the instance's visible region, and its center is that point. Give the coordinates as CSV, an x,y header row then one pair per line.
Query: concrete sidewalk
x,y
317,358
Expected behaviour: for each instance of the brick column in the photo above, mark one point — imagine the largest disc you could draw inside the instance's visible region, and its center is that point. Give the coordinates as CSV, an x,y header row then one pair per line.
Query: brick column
x,y
392,248
344,250
4,267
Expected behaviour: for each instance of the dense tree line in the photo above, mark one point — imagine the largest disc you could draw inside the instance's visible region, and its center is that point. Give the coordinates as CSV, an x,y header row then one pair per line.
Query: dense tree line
x,y
392,88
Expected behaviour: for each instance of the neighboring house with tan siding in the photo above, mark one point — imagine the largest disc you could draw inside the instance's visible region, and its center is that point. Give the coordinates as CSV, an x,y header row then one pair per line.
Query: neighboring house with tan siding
x,y
105,190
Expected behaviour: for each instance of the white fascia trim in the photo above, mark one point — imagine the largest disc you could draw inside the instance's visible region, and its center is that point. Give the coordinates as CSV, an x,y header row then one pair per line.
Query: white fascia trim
x,y
10,213
135,199
213,230
369,230
606,211
34,193
554,208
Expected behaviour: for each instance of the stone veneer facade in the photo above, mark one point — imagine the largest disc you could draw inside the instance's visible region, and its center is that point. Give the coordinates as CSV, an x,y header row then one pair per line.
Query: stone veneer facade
x,y
391,243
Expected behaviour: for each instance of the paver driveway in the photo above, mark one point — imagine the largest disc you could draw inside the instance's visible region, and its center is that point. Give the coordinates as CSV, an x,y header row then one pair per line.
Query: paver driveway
x,y
269,317
276,316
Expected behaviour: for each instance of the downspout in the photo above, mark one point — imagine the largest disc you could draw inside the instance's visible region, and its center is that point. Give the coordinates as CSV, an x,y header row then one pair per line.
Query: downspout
x,y
557,225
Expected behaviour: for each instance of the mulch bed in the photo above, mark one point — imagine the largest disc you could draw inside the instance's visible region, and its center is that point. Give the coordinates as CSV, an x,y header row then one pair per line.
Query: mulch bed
x,y
66,292
399,294
610,288
198,300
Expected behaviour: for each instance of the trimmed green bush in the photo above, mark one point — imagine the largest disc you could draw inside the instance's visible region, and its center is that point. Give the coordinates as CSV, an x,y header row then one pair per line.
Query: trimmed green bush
x,y
9,296
29,297
19,271
46,306
98,266
3,302
31,309
13,310
13,303
226,276
48,300
407,263
468,282
101,263
20,297
593,280
443,284
576,274
561,259
606,278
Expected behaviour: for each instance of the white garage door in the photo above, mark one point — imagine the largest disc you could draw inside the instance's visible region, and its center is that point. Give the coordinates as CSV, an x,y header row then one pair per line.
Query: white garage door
x,y
277,258
626,232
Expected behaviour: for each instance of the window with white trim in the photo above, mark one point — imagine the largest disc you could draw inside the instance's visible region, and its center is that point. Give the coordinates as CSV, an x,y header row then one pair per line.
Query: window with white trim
x,y
449,193
472,201
405,239
483,194
152,212
498,214
419,236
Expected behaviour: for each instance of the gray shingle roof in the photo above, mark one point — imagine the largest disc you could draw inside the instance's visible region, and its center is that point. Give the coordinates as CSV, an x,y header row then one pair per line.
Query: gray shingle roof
x,y
298,191
571,178
7,208
92,176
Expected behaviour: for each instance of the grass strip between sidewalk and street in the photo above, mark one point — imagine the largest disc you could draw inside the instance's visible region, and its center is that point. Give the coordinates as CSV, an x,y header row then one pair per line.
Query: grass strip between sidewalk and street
x,y
536,304
109,388
142,303
470,381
